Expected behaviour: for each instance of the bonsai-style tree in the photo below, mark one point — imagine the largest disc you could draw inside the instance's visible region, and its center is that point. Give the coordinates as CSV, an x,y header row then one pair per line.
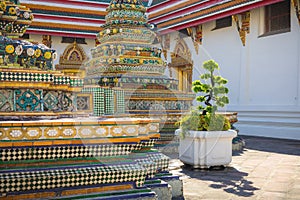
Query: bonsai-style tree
x,y
212,95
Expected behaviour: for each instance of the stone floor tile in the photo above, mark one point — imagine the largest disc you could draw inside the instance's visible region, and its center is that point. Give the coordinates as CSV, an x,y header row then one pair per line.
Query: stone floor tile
x,y
294,192
296,185
257,182
272,196
279,178
289,173
273,186
292,197
261,171
215,195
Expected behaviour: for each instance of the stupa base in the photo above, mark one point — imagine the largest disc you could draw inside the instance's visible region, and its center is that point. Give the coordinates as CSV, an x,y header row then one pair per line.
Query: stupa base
x,y
82,158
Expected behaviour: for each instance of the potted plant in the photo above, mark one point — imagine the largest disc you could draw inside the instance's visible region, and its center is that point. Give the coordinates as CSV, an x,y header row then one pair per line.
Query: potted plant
x,y
205,135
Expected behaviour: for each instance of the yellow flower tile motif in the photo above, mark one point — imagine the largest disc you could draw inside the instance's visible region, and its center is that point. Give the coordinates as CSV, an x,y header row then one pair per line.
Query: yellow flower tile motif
x,y
3,6
131,130
68,132
102,131
9,49
37,53
116,131
33,133
51,132
2,133
12,11
15,133
86,132
47,55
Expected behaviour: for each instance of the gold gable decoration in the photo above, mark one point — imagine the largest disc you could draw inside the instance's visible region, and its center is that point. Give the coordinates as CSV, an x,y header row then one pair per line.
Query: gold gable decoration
x,y
196,34
72,60
181,61
198,38
244,28
47,40
296,4
166,44
181,57
190,31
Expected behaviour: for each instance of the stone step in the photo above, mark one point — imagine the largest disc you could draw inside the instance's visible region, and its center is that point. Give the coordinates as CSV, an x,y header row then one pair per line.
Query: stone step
x,y
153,161
141,194
13,181
61,192
174,181
162,189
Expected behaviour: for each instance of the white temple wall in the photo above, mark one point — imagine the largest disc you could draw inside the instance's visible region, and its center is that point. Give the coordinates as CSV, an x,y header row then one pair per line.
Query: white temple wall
x,y
263,75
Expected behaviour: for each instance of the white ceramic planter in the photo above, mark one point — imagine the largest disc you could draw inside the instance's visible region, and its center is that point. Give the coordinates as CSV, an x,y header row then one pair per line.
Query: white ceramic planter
x,y
203,149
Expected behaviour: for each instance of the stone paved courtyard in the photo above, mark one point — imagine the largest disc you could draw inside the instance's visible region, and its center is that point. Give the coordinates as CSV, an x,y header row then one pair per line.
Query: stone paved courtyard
x,y
266,169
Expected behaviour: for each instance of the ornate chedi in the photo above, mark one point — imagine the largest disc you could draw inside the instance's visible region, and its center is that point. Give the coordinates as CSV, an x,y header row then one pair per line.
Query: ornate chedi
x,y
126,58
70,158
30,87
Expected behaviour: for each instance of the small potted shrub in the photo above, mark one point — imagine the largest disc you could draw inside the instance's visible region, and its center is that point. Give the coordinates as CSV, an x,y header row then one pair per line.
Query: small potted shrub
x,y
205,135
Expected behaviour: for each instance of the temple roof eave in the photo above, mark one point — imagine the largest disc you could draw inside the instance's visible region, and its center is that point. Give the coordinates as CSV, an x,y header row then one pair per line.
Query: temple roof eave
x,y
168,15
207,15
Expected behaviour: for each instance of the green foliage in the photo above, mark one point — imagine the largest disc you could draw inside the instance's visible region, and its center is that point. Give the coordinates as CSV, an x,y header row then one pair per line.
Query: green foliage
x,y
213,95
210,65
195,121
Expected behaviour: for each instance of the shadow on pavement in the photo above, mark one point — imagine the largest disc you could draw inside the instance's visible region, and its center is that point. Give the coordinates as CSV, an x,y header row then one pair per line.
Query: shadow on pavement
x,y
229,179
281,146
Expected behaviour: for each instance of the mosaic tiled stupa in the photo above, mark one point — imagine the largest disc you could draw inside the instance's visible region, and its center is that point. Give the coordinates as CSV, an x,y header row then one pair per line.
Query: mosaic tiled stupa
x,y
48,148
127,59
29,85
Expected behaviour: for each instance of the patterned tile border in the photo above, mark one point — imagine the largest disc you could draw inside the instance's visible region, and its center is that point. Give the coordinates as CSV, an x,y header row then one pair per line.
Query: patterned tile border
x,y
45,179
27,77
64,129
63,152
60,132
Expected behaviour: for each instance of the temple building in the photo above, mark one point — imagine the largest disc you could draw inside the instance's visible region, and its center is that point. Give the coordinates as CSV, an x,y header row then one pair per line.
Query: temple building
x,y
89,89
256,44
64,132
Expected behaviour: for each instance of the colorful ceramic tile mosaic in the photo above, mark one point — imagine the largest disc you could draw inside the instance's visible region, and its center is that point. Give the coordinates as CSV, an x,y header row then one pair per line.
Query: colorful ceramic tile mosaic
x,y
66,152
52,155
12,180
126,58
106,101
120,101
37,100
34,159
98,99
109,101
